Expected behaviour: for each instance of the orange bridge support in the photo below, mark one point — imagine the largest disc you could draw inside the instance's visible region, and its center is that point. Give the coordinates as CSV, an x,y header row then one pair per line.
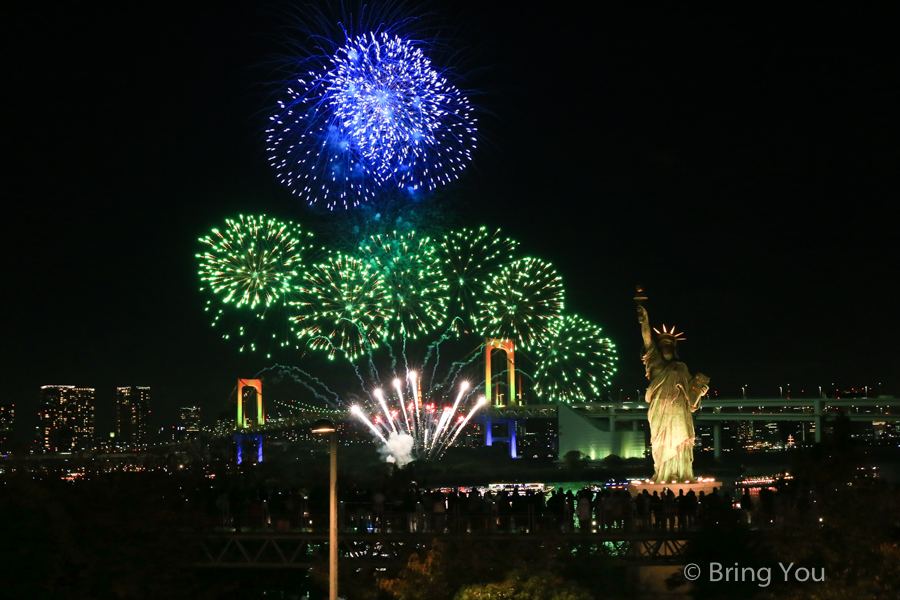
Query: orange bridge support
x,y
509,347
241,422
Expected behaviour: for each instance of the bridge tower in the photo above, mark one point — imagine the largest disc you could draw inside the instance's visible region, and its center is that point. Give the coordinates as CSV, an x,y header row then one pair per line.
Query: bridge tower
x,y
242,423
509,347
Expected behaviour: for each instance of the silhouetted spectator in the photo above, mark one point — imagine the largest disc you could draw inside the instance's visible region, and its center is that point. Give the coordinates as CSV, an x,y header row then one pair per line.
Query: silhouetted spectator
x,y
669,510
607,510
583,508
569,514
642,509
746,506
656,510
767,506
440,512
690,508
679,510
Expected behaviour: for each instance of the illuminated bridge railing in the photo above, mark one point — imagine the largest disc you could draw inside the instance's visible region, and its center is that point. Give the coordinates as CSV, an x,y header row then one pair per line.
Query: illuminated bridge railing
x,y
386,538
718,409
860,409
266,550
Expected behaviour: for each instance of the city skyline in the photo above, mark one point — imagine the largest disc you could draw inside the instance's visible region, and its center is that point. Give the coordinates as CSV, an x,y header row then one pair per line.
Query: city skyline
x,y
189,417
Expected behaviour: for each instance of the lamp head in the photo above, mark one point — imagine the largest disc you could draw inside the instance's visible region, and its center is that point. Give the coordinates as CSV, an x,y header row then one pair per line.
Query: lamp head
x,y
323,426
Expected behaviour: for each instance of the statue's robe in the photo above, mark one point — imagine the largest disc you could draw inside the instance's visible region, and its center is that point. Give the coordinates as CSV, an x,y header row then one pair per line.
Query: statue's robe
x,y
671,423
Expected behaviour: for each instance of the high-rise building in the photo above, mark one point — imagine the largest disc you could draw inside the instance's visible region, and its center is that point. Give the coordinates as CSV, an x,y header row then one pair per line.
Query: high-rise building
x,y
52,426
66,418
7,420
190,418
81,415
132,414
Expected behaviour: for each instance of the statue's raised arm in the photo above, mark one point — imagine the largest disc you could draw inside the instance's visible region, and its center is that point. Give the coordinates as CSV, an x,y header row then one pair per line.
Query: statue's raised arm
x,y
645,327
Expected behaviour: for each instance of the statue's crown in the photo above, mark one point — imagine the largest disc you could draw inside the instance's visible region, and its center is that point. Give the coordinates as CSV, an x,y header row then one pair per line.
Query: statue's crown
x,y
669,334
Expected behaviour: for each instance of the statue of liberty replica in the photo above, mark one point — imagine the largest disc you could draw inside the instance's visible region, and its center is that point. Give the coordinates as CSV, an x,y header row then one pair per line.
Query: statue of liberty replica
x,y
673,395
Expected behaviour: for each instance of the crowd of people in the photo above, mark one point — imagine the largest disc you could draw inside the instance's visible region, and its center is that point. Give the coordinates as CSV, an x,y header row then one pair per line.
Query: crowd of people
x,y
513,510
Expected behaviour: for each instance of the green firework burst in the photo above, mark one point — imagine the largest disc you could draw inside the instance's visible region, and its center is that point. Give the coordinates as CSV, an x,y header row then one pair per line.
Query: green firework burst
x,y
416,289
343,305
575,362
470,258
249,269
522,302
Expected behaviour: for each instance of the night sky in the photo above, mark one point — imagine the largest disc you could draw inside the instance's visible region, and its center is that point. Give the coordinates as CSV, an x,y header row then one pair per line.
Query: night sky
x,y
739,163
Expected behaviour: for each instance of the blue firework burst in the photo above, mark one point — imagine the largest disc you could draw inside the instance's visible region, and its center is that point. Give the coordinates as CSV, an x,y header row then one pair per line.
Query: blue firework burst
x,y
375,114
313,152
412,126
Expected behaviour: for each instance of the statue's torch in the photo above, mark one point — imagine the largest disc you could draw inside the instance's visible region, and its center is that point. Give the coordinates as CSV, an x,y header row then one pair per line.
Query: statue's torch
x,y
640,296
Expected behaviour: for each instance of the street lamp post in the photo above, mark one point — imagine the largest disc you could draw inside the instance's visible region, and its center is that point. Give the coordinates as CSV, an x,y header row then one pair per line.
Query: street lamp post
x,y
326,426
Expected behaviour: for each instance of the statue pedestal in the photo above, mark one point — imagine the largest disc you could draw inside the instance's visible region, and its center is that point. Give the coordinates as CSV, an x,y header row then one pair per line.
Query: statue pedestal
x,y
706,486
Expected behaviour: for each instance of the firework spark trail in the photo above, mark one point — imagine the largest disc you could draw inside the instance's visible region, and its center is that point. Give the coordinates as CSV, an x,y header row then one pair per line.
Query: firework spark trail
x,y
387,414
393,359
326,341
481,402
359,376
359,413
417,402
448,412
442,423
460,368
437,361
457,367
435,347
370,361
453,428
462,390
427,432
405,358
316,393
399,389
